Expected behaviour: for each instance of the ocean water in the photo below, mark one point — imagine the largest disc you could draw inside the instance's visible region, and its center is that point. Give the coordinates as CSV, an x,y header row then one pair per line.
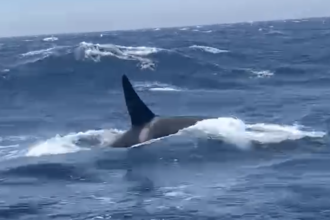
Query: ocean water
x,y
265,155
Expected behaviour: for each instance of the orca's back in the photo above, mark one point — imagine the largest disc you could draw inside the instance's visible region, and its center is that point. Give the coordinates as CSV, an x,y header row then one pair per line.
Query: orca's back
x,y
170,125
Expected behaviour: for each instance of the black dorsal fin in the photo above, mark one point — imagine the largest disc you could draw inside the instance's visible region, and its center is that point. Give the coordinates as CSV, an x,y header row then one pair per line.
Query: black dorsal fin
x,y
138,111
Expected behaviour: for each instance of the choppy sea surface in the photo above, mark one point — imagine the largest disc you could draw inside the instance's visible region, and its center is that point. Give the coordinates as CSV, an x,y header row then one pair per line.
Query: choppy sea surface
x,y
265,155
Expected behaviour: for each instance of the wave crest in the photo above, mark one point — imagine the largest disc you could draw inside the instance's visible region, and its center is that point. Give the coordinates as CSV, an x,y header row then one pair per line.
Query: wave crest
x,y
96,51
208,49
50,39
156,86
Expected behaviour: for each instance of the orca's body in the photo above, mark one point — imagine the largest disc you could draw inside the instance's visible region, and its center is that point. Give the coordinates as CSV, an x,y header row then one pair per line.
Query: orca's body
x,y
145,125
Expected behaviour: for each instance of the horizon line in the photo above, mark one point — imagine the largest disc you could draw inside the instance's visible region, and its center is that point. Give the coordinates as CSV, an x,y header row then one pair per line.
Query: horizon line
x,y
163,27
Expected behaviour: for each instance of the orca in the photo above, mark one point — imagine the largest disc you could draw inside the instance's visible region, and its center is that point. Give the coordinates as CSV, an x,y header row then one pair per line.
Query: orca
x,y
145,125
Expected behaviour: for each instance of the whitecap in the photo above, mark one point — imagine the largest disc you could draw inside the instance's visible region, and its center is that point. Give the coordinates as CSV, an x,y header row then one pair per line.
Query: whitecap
x,y
262,73
37,55
163,89
156,86
47,39
208,49
96,51
47,52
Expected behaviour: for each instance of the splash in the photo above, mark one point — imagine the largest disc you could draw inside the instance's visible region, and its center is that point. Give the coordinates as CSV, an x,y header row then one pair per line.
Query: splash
x,y
230,130
96,51
208,49
242,135
73,142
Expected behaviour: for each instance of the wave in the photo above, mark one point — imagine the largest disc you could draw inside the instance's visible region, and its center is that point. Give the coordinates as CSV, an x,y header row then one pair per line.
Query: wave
x,y
47,51
208,49
155,86
262,73
227,129
38,55
96,51
47,39
208,31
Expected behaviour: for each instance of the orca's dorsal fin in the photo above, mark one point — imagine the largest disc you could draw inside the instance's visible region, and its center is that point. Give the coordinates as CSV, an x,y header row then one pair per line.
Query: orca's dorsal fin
x,y
137,109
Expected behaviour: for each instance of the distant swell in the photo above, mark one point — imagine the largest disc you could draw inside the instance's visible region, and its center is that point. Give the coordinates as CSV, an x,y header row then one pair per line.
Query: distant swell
x,y
96,52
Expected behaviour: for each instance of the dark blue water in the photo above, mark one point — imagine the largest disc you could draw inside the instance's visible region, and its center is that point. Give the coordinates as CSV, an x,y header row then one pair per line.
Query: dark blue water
x,y
264,156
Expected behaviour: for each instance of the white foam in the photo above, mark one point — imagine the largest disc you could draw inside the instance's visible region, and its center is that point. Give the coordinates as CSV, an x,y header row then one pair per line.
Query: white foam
x,y
236,132
50,39
262,73
209,49
47,51
71,143
36,55
163,89
156,86
96,51
230,130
